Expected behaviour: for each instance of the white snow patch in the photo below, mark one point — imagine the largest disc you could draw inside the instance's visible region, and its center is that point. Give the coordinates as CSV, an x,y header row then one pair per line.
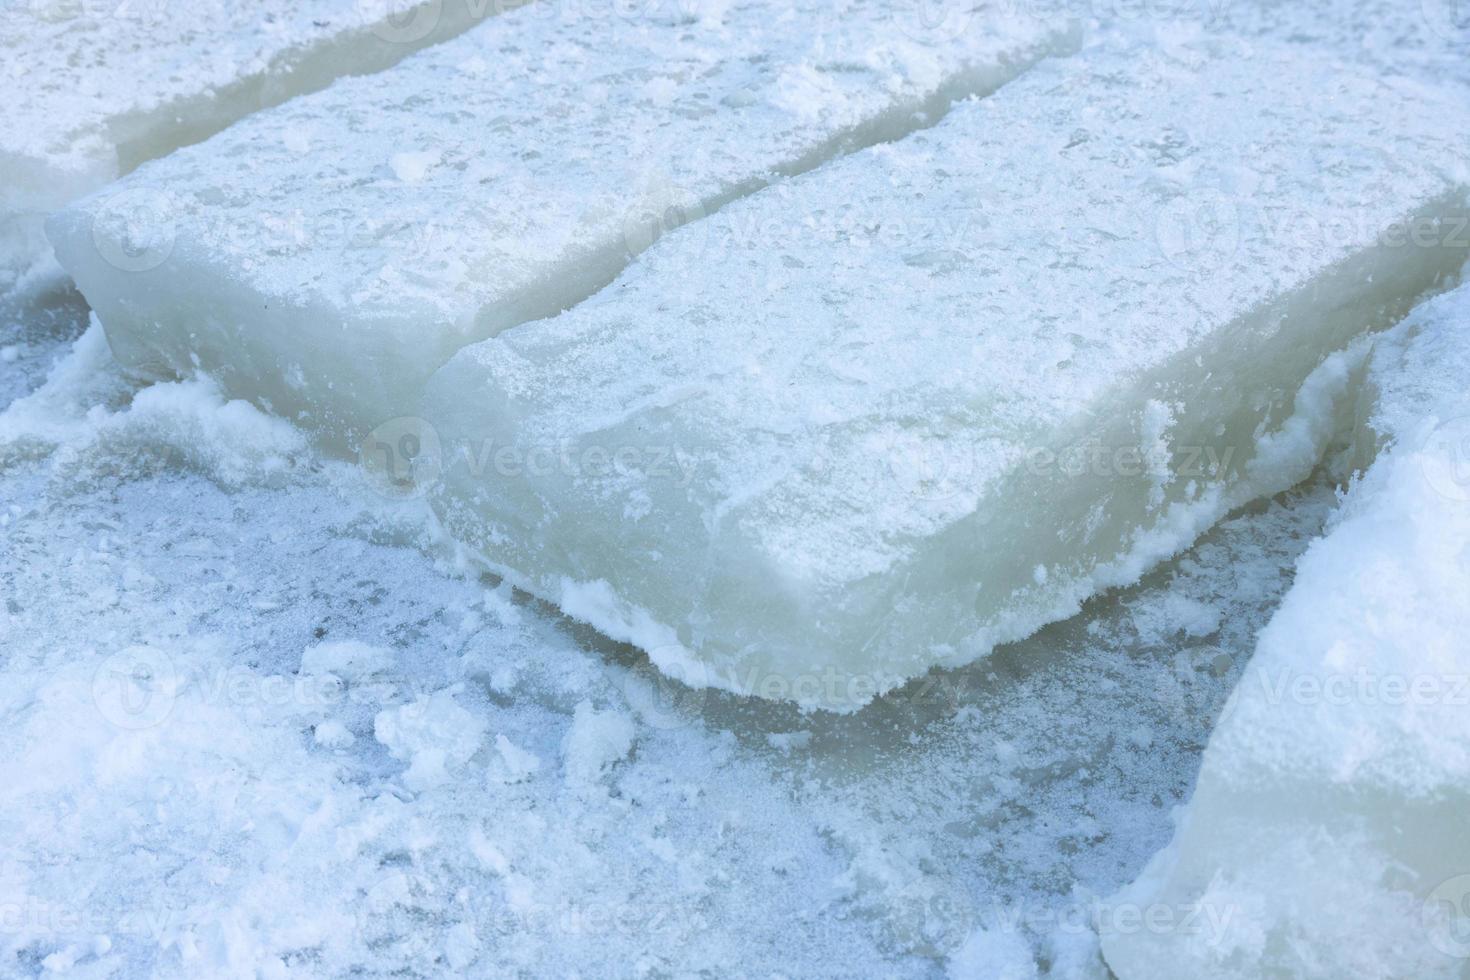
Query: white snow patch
x,y
516,763
596,740
414,167
434,734
993,954
351,660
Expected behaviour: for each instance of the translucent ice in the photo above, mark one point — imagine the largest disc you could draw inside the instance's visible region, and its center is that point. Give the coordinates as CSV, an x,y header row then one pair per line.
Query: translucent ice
x,y
325,257
924,400
1328,828
94,89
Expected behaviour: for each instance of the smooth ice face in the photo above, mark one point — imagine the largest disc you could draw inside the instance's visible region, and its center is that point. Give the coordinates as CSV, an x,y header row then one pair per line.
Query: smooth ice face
x,y
1327,832
325,257
930,397
93,89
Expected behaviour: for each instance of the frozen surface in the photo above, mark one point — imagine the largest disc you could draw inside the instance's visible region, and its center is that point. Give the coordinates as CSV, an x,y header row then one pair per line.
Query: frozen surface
x,y
997,366
248,723
1329,820
324,258
1428,39
95,88
202,624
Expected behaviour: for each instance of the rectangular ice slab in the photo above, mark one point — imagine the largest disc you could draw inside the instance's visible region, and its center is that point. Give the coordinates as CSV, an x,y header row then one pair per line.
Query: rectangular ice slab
x,y
926,399
325,257
95,88
1327,834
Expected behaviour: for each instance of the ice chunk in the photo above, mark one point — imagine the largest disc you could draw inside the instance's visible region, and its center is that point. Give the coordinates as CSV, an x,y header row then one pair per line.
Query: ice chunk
x,y
1327,831
95,89
434,735
823,440
497,178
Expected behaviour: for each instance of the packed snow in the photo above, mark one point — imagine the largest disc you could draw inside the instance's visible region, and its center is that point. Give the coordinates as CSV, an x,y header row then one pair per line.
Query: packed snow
x,y
997,366
322,259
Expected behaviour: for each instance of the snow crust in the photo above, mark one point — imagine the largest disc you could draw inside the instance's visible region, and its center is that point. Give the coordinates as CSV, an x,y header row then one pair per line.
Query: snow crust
x,y
325,257
1329,818
95,88
998,366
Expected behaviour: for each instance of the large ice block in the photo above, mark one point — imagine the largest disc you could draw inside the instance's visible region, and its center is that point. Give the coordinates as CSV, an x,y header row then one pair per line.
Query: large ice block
x,y
93,89
1327,835
922,401
325,257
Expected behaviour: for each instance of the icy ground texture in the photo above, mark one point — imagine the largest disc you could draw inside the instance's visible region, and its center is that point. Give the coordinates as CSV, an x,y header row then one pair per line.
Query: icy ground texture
x,y
1428,39
1329,823
96,87
248,725
35,327
322,259
996,366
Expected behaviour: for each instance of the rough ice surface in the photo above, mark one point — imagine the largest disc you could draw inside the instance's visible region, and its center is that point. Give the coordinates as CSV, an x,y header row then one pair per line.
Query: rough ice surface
x,y
997,366
1329,819
201,622
1425,40
324,258
93,89
194,784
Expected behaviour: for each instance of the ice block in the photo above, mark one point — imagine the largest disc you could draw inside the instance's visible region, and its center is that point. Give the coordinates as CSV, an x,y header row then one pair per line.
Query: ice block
x,y
932,396
325,257
1326,836
96,88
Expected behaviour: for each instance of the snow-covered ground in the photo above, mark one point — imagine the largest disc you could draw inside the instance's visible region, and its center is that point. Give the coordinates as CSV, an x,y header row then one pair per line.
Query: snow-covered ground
x,y
255,719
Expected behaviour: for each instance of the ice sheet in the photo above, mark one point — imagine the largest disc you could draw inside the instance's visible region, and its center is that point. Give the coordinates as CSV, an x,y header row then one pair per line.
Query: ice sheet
x,y
1329,819
918,403
324,258
96,87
